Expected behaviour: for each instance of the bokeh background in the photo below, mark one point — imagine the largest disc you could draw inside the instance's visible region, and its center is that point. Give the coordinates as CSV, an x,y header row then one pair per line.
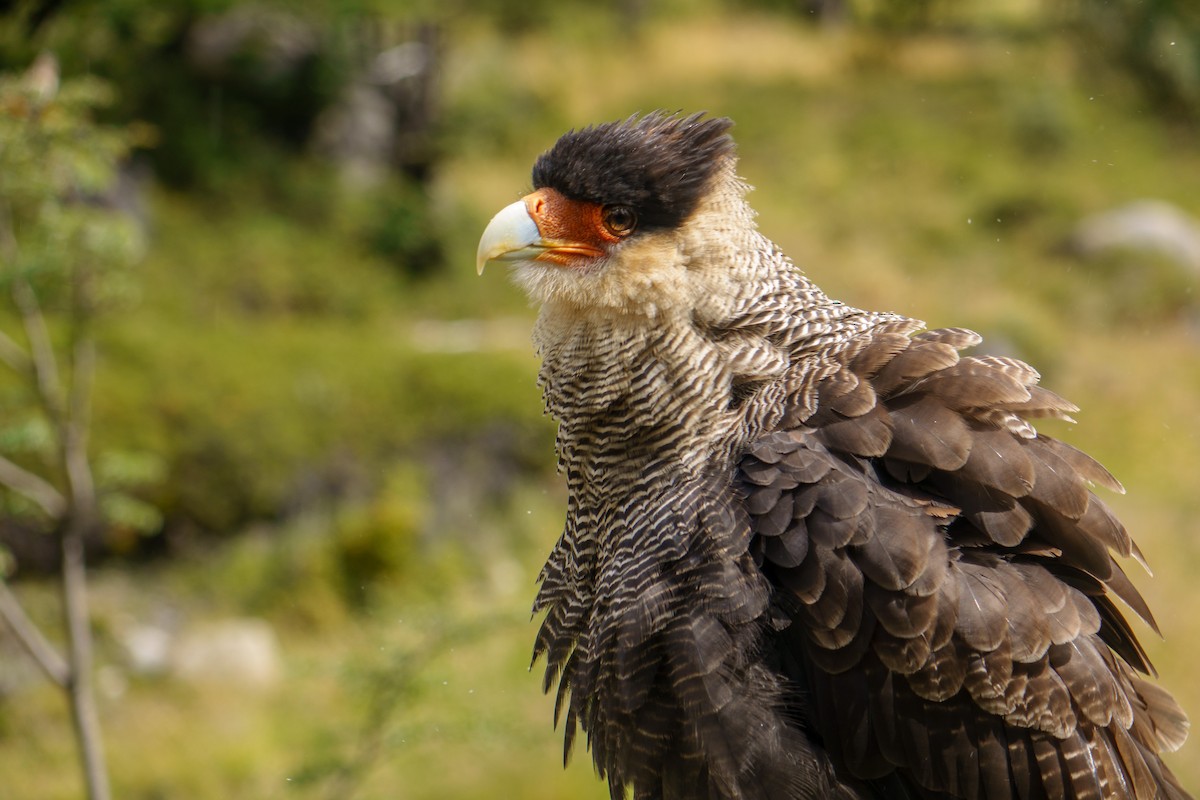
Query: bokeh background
x,y
326,478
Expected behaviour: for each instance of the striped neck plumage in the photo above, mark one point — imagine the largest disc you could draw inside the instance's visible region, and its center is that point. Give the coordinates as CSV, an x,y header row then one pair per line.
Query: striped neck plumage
x,y
667,346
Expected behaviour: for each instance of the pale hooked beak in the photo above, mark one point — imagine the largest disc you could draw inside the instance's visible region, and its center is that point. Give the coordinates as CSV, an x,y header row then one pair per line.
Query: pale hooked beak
x,y
512,235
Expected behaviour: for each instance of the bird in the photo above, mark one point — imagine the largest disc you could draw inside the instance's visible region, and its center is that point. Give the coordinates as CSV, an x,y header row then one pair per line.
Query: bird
x,y
810,550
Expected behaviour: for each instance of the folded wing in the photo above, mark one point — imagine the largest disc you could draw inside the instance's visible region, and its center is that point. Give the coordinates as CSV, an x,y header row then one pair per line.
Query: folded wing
x,y
950,577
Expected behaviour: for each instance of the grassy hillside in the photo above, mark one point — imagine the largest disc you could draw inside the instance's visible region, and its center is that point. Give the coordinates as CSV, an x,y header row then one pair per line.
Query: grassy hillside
x,y
936,175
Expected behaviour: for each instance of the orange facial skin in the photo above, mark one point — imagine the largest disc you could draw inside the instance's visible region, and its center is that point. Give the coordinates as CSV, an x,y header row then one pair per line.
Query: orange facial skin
x,y
573,230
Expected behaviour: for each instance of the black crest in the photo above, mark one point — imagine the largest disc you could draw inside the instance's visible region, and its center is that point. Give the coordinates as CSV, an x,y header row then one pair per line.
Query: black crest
x,y
659,164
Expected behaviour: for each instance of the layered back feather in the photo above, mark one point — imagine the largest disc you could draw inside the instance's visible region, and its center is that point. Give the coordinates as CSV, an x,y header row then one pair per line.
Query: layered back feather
x,y
814,551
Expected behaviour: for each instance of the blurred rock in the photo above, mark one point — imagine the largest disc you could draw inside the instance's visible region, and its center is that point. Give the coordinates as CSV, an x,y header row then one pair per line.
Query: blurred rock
x,y
383,118
147,648
1150,226
358,133
395,64
278,40
235,651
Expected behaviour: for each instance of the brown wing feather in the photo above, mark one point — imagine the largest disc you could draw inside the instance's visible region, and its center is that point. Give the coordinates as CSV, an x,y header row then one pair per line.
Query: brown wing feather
x,y
950,575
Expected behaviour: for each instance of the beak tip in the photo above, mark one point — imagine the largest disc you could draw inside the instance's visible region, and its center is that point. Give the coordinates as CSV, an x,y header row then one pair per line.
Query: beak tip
x,y
511,232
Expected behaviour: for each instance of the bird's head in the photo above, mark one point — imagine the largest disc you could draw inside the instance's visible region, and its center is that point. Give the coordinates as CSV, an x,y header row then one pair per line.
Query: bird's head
x,y
609,225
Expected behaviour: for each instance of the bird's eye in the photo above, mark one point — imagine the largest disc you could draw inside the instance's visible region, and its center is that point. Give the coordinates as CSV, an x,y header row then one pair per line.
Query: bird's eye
x,y
619,220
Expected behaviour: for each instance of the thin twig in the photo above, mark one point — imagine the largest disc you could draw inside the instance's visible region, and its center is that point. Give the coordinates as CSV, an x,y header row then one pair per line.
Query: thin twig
x,y
66,403
14,355
27,633
10,352
45,365
79,657
33,488
77,425
74,427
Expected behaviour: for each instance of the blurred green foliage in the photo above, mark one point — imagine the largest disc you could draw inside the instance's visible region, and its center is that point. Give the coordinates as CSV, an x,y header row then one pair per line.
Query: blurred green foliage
x,y
1156,42
55,166
214,118
67,260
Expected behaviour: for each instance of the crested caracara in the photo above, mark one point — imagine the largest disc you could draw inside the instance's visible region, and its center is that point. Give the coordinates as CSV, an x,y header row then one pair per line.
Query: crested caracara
x,y
810,551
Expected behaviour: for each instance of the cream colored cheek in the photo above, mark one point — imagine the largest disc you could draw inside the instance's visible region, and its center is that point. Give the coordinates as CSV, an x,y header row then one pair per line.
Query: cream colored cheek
x,y
652,266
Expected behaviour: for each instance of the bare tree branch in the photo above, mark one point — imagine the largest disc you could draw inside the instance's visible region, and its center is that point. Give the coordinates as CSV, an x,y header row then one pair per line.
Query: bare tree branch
x,y
74,428
77,424
41,350
79,656
63,392
14,355
32,487
10,352
27,633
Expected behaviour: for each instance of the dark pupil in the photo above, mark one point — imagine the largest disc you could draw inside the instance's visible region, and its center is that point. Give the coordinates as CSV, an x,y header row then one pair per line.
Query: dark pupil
x,y
620,219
